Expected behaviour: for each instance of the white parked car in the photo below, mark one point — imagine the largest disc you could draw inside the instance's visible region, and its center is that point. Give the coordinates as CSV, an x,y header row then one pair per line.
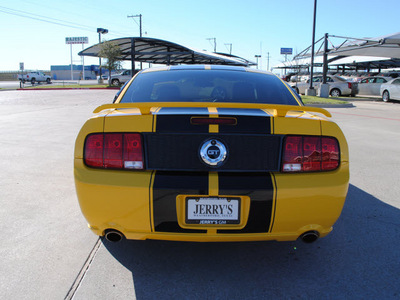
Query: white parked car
x,y
371,86
391,90
123,77
337,86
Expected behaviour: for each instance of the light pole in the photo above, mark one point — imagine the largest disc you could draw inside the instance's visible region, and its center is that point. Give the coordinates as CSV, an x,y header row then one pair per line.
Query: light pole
x,y
257,56
101,31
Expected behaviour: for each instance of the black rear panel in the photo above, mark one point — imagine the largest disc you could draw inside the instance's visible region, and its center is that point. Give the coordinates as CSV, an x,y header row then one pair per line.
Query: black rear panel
x,y
180,152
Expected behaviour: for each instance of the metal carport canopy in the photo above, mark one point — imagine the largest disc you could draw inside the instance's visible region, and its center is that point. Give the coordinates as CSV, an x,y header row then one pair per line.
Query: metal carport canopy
x,y
379,52
383,46
151,50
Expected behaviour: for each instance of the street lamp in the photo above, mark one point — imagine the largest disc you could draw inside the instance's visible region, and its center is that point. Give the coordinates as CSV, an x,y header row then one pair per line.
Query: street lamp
x,y
101,31
257,57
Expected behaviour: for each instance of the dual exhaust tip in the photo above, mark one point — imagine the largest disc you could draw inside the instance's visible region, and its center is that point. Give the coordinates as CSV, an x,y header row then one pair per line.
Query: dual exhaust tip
x,y
115,236
309,236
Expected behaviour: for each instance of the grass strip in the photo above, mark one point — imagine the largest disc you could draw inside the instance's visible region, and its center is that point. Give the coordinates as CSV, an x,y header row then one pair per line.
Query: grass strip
x,y
319,100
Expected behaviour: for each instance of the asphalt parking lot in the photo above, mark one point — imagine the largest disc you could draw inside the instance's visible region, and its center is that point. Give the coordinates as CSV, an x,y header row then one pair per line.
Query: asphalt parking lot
x,y
47,251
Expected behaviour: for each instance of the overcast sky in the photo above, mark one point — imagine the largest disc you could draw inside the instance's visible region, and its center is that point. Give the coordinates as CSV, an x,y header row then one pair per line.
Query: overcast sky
x,y
34,31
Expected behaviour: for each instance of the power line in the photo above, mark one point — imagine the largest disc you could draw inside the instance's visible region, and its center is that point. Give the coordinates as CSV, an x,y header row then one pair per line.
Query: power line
x,y
47,21
28,13
50,20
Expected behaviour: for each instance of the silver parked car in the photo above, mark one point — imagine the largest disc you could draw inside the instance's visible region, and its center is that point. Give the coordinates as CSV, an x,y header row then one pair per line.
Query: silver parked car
x,y
371,86
391,90
338,86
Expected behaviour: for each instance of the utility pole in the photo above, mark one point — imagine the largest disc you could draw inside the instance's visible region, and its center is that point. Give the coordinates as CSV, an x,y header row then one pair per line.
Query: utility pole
x,y
230,47
140,21
140,29
267,61
215,43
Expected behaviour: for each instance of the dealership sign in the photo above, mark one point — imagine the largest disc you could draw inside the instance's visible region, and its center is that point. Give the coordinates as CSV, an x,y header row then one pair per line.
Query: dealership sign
x,y
288,51
77,40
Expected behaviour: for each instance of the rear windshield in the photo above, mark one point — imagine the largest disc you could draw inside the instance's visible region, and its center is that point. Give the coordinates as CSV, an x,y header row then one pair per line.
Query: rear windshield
x,y
208,86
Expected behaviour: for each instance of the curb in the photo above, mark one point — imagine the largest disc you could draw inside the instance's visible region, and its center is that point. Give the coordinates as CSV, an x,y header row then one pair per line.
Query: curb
x,y
347,105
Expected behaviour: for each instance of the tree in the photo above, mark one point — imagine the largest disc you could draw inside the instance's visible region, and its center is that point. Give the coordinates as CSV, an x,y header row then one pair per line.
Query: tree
x,y
111,53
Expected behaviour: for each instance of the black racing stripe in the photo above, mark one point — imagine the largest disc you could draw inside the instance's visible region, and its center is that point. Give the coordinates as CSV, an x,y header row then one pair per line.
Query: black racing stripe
x,y
168,185
248,121
260,189
174,120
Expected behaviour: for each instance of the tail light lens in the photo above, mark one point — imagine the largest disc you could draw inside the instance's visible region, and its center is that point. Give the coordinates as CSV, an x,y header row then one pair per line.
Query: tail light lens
x,y
114,150
310,154
349,84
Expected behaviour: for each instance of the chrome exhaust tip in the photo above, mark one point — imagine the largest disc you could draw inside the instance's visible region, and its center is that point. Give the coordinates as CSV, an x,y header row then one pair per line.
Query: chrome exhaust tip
x,y
309,236
113,236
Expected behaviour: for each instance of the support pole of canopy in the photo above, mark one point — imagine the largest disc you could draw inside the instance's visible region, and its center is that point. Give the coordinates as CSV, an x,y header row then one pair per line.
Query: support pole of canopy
x,y
311,91
324,89
325,62
133,56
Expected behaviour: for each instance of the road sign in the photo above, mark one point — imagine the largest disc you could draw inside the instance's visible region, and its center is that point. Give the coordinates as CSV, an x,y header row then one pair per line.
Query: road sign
x,y
287,51
21,66
77,40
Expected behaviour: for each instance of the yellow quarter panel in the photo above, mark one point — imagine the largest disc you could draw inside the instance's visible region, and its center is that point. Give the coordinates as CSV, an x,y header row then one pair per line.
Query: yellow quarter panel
x,y
120,196
310,201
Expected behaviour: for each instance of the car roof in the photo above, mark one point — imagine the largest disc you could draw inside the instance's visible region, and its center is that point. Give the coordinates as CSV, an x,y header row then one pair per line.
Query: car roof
x,y
205,67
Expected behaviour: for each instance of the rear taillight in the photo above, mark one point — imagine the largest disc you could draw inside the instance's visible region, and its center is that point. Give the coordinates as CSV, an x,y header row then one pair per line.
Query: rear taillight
x,y
310,154
114,151
349,84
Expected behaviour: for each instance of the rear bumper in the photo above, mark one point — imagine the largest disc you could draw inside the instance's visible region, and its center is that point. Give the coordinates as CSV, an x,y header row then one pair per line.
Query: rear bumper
x,y
127,201
212,237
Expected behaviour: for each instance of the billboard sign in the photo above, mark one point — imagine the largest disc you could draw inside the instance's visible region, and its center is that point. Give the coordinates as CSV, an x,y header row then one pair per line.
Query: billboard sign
x,y
287,51
77,40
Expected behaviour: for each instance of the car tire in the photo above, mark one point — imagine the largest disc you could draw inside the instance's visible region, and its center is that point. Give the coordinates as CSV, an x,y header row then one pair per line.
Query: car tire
x,y
385,96
115,82
296,89
33,80
48,80
335,93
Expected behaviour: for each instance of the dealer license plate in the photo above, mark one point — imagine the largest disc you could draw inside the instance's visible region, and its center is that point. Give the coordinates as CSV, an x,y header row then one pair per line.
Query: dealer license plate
x,y
212,210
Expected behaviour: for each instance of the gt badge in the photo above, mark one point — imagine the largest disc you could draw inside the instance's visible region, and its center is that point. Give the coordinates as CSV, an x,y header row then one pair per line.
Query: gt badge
x,y
213,152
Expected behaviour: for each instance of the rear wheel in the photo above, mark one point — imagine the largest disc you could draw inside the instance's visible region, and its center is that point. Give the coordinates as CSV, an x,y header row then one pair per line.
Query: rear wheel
x,y
48,80
385,96
33,80
335,93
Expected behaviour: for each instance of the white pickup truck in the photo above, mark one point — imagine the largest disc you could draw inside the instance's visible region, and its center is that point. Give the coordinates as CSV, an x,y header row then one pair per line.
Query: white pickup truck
x,y
34,77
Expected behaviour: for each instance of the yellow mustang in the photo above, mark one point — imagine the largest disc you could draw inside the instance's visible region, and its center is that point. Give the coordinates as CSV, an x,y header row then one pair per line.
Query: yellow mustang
x,y
210,153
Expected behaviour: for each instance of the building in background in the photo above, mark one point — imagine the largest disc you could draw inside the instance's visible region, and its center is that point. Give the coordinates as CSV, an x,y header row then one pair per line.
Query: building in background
x,y
63,72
